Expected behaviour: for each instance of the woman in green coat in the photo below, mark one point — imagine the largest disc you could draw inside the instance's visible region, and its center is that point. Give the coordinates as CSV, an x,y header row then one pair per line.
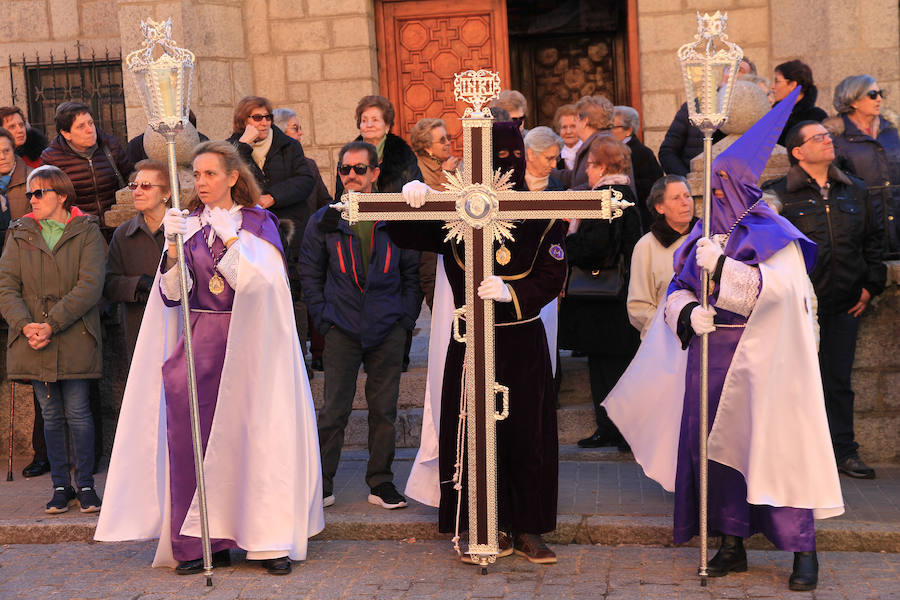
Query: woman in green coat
x,y
51,278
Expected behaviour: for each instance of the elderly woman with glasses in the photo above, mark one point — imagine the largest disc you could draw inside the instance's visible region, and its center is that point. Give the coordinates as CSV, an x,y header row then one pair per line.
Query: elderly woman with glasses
x,y
542,148
136,246
433,147
51,279
789,76
284,176
867,145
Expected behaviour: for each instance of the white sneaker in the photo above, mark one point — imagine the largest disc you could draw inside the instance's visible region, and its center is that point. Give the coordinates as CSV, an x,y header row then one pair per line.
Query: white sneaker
x,y
328,500
386,495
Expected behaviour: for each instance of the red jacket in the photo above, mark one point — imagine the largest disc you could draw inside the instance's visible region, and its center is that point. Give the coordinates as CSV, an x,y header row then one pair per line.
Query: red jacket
x,y
94,179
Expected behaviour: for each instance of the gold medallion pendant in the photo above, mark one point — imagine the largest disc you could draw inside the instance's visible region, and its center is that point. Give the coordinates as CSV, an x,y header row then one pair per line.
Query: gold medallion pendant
x,y
503,255
216,284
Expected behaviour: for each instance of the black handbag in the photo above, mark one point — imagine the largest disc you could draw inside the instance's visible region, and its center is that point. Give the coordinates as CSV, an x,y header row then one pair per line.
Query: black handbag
x,y
598,283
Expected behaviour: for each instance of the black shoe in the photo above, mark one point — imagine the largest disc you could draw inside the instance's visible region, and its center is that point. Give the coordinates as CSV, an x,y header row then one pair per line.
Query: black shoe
x,y
806,572
35,468
222,558
316,364
277,566
599,439
730,557
854,467
89,500
59,503
405,366
386,495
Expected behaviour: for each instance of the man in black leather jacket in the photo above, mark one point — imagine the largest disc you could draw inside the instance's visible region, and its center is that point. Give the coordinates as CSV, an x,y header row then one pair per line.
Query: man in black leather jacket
x,y
832,208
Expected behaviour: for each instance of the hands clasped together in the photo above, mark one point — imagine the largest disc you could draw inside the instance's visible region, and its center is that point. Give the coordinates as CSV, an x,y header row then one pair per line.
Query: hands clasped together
x,y
38,335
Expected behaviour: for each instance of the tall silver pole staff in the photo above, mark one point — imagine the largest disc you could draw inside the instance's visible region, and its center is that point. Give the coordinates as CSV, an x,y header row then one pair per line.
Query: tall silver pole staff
x,y
710,66
164,84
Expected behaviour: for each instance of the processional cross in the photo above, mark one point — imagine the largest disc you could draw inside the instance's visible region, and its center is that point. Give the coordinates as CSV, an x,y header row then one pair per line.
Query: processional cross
x,y
478,208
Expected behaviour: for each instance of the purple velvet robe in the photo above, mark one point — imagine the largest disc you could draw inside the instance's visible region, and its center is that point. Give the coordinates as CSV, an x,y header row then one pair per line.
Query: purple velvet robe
x,y
210,334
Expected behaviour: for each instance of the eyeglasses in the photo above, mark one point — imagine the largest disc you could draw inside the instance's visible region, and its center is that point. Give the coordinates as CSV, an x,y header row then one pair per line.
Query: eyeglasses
x,y
258,118
875,93
444,139
38,193
359,169
144,185
818,138
518,120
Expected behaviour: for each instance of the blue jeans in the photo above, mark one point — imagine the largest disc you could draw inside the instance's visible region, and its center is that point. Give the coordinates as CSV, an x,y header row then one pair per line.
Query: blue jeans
x,y
62,403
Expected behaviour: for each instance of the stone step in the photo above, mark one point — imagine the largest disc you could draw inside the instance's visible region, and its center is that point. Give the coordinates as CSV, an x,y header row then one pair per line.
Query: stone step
x,y
574,389
574,423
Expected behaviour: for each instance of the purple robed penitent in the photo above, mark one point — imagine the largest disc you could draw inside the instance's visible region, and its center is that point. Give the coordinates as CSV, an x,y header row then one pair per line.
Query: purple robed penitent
x,y
210,320
756,234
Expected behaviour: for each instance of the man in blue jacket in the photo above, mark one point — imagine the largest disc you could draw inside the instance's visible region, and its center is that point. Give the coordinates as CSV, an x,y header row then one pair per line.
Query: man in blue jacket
x,y
363,294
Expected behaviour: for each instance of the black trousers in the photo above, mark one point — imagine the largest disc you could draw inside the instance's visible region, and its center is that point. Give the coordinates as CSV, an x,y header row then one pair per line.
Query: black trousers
x,y
604,373
342,358
837,349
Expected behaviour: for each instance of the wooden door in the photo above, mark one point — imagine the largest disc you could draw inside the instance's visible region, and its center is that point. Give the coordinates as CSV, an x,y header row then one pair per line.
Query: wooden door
x,y
422,44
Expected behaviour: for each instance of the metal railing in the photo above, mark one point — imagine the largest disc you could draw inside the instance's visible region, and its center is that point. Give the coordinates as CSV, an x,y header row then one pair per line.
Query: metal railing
x,y
96,81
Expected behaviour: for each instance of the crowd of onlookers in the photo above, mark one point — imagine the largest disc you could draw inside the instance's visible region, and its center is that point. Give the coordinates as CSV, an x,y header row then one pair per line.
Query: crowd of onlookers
x,y
61,262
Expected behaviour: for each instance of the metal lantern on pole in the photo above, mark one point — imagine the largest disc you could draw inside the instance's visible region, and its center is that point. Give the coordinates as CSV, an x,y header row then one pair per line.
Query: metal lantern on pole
x,y
710,67
164,84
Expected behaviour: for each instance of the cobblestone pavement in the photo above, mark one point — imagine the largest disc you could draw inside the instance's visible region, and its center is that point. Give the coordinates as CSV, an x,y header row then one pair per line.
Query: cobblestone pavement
x,y
407,570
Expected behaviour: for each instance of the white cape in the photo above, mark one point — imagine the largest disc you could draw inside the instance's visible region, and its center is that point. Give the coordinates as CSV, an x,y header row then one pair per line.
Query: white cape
x,y
770,424
423,484
262,467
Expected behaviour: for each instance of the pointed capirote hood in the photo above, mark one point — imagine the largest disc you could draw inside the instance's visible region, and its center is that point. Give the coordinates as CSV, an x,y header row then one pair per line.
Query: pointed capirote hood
x,y
755,231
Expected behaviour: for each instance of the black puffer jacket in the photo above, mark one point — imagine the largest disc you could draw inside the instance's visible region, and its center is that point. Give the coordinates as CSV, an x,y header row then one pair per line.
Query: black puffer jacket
x,y
683,142
877,162
94,178
804,110
399,165
849,239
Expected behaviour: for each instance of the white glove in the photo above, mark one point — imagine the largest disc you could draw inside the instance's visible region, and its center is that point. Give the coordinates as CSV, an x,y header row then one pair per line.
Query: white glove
x,y
493,288
708,253
220,221
702,320
414,193
174,223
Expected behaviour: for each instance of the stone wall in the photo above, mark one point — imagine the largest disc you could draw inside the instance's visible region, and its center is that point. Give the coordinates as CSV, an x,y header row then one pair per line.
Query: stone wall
x,y
45,26
835,38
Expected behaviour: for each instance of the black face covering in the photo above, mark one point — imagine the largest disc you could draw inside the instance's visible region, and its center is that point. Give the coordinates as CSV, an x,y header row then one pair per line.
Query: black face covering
x,y
509,152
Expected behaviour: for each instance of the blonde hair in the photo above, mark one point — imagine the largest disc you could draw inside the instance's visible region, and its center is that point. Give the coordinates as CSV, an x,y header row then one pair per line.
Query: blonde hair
x,y
245,191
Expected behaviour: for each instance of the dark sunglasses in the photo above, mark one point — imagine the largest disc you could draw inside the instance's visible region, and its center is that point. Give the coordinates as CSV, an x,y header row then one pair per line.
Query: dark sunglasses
x,y
144,185
259,118
517,120
38,193
875,93
359,169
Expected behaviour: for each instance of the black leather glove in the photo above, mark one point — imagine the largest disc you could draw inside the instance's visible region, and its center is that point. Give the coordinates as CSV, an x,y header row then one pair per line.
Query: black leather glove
x,y
142,290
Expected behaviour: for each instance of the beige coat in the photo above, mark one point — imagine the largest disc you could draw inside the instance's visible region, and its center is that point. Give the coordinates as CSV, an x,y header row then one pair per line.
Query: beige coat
x,y
15,194
60,287
651,273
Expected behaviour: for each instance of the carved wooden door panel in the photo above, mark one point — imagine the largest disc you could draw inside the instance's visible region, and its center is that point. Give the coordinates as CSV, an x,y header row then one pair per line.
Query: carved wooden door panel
x,y
422,44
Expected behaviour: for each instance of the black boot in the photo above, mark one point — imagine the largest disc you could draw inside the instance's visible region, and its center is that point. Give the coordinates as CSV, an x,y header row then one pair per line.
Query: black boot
x,y
730,557
806,572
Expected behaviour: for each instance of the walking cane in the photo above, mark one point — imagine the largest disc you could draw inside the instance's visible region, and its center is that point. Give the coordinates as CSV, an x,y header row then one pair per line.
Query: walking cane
x,y
165,84
12,418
